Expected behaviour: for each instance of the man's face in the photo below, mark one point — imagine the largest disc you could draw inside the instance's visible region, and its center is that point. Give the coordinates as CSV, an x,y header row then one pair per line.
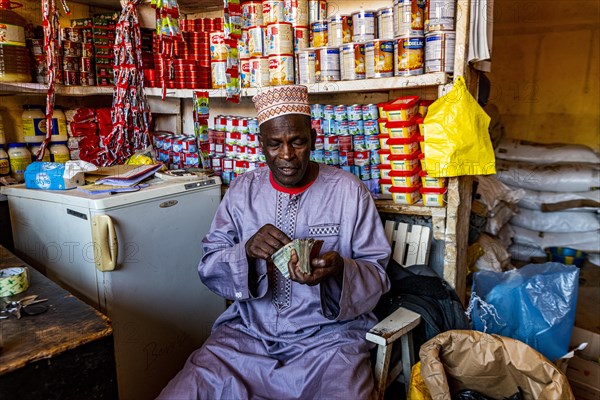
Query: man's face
x,y
286,142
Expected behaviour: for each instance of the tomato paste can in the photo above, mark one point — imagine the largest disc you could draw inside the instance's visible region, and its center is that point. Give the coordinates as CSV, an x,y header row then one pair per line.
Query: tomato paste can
x,y
346,158
319,142
345,142
306,66
317,10
252,14
296,12
439,51
279,38
363,25
385,23
301,37
281,69
259,72
352,61
87,79
86,64
218,50
379,58
71,78
273,11
87,50
439,15
328,60
70,63
410,17
319,33
340,30
256,47
408,54
361,157
71,49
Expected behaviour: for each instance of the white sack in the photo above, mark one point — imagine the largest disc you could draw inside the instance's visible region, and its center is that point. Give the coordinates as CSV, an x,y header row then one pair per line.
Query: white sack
x,y
535,200
585,241
522,252
538,153
559,221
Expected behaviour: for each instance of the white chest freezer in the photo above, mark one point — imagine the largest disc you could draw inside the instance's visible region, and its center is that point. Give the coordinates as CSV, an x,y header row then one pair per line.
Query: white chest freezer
x,y
134,257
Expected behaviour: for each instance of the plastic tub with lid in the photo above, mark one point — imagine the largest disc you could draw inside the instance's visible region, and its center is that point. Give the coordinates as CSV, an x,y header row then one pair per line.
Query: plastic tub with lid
x,y
434,197
422,161
420,125
403,145
421,140
384,156
408,162
385,185
384,171
405,178
383,138
380,108
382,129
402,109
402,129
430,182
424,106
406,196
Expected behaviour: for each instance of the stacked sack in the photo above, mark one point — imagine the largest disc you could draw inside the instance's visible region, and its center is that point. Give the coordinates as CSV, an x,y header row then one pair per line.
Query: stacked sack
x,y
83,134
562,201
495,204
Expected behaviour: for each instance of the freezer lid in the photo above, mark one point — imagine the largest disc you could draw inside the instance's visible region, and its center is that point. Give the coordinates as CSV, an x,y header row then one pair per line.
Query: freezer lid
x,y
74,197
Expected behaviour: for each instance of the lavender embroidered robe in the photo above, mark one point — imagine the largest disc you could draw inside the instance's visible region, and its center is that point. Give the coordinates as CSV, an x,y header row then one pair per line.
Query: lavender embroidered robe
x,y
286,340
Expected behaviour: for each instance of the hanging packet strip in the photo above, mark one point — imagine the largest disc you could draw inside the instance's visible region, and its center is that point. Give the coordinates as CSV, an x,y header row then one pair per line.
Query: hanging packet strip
x,y
200,114
168,32
457,141
232,33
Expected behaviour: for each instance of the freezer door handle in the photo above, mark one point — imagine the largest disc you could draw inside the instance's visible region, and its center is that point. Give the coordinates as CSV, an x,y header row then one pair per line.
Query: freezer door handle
x,y
106,246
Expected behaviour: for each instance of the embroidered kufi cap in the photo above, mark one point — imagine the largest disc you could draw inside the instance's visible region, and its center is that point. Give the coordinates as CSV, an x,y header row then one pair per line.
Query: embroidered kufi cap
x,y
281,100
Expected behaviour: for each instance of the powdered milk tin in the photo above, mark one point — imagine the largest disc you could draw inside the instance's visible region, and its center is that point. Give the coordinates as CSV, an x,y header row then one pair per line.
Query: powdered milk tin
x,y
352,61
328,112
370,111
316,111
408,54
281,69
255,41
354,112
273,11
340,30
439,15
296,12
410,17
306,64
319,33
363,25
259,71
339,113
317,10
301,37
218,50
252,14
385,23
439,52
328,62
379,58
245,72
280,38
219,79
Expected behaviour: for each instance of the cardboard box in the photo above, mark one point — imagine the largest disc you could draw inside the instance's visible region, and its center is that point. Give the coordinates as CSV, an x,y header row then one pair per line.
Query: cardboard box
x,y
583,370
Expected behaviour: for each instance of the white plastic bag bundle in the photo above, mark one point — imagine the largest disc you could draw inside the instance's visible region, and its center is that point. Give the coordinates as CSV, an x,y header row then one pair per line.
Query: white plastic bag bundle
x,y
557,178
585,241
554,201
495,256
491,192
560,221
537,153
522,252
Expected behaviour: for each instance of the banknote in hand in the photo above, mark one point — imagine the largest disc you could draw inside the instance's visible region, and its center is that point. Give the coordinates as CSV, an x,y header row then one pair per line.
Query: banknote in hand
x,y
306,250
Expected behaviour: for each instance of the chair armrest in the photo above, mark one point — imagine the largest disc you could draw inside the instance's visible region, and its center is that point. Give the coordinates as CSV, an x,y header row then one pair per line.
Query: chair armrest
x,y
393,326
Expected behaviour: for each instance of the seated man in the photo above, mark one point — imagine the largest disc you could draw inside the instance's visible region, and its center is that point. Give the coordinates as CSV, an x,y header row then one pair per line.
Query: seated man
x,y
302,337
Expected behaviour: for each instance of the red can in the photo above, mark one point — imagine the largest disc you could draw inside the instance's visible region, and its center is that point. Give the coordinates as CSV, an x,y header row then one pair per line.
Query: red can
x,y
87,50
86,64
71,78
345,142
70,63
71,49
87,79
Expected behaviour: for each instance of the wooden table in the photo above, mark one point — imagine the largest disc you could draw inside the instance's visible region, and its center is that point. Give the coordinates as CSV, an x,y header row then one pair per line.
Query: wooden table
x,y
65,353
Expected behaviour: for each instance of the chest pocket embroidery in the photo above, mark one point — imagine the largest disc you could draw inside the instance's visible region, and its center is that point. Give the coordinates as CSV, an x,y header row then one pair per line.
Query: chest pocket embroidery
x,y
324,230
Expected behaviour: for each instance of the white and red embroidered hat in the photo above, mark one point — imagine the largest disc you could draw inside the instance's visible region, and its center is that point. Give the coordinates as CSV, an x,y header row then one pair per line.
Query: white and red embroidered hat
x,y
281,100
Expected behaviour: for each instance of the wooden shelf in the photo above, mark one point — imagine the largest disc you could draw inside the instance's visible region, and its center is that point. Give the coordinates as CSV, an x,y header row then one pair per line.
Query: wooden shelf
x,y
362,85
388,206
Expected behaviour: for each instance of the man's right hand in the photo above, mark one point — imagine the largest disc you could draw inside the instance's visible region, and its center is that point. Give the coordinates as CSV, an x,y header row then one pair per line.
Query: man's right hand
x,y
264,243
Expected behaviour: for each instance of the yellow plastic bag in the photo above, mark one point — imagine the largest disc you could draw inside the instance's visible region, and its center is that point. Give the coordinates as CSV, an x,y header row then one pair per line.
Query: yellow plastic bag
x,y
417,389
457,141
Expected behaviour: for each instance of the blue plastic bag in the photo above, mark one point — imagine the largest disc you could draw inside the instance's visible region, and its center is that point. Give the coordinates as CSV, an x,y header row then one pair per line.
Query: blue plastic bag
x,y
534,304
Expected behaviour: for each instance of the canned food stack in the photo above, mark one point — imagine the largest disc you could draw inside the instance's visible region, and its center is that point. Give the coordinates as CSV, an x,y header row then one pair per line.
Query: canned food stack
x,y
104,26
347,136
234,146
192,62
40,66
176,151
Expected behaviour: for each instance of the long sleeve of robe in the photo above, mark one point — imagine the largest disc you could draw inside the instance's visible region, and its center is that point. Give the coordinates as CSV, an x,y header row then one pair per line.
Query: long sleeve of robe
x,y
299,334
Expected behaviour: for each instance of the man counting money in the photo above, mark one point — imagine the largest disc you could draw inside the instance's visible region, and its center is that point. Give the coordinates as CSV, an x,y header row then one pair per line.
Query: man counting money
x,y
301,337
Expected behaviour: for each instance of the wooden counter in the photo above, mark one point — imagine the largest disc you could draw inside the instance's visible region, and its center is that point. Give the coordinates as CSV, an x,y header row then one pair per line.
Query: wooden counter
x,y
65,353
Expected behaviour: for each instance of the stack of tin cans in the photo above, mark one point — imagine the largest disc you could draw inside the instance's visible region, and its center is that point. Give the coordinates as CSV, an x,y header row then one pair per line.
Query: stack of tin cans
x,y
176,151
411,37
234,146
191,65
77,58
40,66
348,136
104,26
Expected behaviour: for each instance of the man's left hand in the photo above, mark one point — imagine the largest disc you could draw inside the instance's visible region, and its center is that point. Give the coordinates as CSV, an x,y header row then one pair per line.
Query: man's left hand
x,y
330,264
